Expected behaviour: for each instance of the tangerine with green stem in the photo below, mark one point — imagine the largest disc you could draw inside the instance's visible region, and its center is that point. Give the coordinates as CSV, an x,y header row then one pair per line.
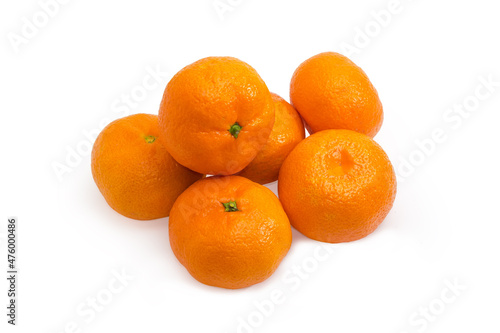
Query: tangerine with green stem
x,y
229,232
134,172
216,115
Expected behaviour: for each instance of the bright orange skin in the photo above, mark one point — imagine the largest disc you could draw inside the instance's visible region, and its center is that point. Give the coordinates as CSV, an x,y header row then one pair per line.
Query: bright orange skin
x,y
331,92
337,186
139,180
229,249
202,102
287,132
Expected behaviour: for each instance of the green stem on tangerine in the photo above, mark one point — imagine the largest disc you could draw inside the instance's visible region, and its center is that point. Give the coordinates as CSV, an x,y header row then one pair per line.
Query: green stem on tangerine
x,y
230,206
150,138
235,129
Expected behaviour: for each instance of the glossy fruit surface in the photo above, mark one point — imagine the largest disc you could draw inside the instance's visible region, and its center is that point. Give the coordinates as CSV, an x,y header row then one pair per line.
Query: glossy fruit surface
x,y
229,232
216,115
134,172
337,186
331,92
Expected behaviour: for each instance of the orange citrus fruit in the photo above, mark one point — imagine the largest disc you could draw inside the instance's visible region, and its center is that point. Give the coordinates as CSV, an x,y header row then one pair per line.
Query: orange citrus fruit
x,y
229,232
331,92
134,172
215,116
287,132
337,186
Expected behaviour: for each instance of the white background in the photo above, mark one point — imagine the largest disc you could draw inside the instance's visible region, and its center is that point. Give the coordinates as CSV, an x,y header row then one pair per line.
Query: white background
x,y
67,79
